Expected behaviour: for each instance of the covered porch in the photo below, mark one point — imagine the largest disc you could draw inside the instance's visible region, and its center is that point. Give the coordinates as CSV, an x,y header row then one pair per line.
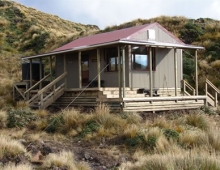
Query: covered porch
x,y
124,97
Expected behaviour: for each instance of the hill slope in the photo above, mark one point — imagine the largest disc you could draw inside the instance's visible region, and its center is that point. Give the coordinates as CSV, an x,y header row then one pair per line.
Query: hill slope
x,y
26,30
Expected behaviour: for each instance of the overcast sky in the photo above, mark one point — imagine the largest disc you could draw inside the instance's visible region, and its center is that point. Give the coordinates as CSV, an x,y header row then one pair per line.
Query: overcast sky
x,y
105,13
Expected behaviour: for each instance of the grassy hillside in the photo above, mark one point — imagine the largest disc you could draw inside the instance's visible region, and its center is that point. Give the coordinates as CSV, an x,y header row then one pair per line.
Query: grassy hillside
x,y
203,31
25,31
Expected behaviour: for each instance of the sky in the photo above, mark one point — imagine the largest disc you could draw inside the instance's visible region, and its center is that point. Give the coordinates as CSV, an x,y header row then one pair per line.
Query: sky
x,y
105,13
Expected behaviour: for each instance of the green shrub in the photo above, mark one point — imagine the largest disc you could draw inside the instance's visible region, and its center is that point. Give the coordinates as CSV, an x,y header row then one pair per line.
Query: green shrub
x,y
90,127
54,124
151,142
135,141
20,117
171,134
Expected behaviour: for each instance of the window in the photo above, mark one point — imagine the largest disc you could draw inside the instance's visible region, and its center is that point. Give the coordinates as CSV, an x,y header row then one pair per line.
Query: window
x,y
111,56
140,58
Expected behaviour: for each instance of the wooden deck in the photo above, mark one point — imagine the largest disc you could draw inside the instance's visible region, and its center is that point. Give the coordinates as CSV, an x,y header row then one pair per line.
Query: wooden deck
x,y
133,102
53,95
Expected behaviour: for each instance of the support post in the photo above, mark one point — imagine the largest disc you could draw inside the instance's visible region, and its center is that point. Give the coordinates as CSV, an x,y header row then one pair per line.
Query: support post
x,y
41,72
65,70
98,68
80,69
123,70
51,76
175,70
196,73
206,92
150,71
119,73
31,73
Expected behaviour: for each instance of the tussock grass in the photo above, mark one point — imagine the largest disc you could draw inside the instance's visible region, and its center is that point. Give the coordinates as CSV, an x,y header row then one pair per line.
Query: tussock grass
x,y
103,117
42,113
3,119
22,105
131,131
198,120
10,147
73,119
214,138
161,122
64,159
133,118
169,161
192,138
11,166
60,160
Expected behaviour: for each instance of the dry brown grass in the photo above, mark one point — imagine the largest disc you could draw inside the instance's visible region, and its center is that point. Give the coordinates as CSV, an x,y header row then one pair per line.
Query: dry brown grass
x,y
198,120
73,119
182,160
22,104
42,113
3,119
22,166
132,131
10,147
64,159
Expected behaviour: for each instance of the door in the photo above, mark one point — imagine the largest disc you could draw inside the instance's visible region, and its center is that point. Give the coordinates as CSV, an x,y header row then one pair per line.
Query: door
x,y
85,70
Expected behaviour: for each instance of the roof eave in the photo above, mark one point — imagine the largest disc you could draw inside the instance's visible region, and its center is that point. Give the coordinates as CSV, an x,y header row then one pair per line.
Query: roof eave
x,y
122,41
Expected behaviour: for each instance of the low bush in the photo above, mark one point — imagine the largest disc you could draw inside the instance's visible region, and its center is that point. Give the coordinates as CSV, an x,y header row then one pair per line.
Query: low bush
x,y
54,124
171,134
20,117
90,127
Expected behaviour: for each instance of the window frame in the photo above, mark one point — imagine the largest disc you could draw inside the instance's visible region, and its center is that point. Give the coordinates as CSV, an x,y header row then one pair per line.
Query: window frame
x,y
136,53
111,54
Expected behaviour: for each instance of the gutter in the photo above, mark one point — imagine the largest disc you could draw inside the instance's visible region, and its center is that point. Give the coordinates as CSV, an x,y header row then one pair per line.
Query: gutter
x,y
122,41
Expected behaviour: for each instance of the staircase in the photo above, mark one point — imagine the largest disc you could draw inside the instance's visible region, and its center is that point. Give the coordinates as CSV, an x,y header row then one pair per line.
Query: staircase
x,y
42,98
212,93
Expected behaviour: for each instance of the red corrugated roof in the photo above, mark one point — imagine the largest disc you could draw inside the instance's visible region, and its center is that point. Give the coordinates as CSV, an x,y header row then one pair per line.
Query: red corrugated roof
x,y
110,37
102,38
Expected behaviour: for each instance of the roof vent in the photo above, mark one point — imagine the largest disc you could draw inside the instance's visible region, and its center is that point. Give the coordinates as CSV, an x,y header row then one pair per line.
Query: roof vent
x,y
151,35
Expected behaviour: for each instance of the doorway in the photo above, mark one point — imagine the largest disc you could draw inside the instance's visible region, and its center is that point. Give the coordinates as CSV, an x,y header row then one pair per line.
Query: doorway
x,y
85,70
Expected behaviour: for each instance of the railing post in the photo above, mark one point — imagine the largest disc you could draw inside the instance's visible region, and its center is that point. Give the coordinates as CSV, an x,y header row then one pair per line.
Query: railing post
x,y
216,99
184,87
41,100
206,92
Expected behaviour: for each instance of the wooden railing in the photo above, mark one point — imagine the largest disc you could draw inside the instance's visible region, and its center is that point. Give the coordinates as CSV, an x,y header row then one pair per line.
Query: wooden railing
x,y
48,92
186,87
213,98
27,92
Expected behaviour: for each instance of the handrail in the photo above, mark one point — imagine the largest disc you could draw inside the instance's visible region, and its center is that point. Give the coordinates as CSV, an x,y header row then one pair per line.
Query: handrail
x,y
186,84
40,92
217,91
36,84
213,86
52,83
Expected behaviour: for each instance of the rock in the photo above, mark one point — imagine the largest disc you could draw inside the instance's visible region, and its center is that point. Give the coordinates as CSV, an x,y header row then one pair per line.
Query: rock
x,y
87,156
37,158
